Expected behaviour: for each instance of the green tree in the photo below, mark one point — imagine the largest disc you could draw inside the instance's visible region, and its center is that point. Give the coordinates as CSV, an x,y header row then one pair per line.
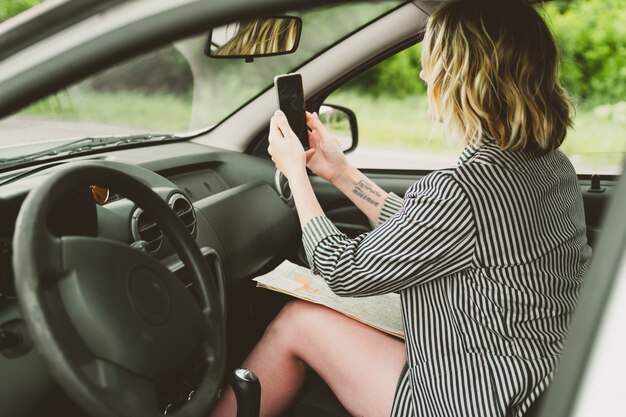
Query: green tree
x,y
397,76
591,35
9,8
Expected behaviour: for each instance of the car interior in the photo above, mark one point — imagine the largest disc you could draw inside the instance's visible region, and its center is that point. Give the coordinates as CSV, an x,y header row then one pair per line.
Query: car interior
x,y
217,187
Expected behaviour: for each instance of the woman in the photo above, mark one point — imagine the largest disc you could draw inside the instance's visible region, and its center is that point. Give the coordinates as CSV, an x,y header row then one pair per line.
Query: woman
x,y
487,256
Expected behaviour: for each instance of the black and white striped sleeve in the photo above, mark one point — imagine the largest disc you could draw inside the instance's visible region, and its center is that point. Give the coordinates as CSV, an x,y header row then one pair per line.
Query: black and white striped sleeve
x,y
319,228
432,235
391,206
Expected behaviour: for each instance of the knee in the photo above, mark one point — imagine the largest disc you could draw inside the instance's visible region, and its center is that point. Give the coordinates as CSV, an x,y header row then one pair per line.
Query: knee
x,y
290,323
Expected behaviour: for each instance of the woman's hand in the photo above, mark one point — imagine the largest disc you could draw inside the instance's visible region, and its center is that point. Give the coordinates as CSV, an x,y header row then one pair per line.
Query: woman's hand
x,y
288,155
325,157
285,147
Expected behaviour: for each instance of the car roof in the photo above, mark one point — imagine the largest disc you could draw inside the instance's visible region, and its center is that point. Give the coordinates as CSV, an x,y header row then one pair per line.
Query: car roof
x,y
45,19
125,28
119,29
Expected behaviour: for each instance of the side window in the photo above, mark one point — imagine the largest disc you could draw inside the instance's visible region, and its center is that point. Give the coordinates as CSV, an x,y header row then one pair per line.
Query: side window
x,y
395,131
390,102
592,43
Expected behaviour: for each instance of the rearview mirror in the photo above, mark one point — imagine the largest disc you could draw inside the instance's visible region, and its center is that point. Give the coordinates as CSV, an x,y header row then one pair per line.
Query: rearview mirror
x,y
255,38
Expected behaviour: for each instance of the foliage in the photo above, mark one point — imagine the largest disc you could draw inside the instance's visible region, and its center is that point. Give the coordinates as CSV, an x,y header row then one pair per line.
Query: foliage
x,y
166,71
150,112
591,35
397,76
9,8
595,144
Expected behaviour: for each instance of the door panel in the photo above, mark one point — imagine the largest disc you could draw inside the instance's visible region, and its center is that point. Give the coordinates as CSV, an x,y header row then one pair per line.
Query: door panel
x,y
595,203
343,213
352,222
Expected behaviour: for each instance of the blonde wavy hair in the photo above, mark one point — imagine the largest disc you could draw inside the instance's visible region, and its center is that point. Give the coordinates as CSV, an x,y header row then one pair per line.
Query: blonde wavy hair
x,y
262,36
492,70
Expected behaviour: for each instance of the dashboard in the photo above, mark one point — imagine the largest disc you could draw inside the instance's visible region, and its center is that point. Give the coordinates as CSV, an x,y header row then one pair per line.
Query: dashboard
x,y
226,200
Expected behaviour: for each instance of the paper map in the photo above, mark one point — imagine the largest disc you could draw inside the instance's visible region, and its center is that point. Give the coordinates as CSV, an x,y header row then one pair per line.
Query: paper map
x,y
382,312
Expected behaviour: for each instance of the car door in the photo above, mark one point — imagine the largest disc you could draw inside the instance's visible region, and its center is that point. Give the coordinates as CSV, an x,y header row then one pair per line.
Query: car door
x,y
588,381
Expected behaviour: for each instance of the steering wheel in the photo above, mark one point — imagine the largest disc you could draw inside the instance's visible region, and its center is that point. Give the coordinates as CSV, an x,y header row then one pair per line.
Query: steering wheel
x,y
111,322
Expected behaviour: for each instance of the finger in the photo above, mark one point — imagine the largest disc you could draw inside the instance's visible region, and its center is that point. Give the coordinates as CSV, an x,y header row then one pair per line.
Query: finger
x,y
275,124
270,150
310,128
274,132
318,121
314,139
309,154
317,124
320,126
282,123
313,120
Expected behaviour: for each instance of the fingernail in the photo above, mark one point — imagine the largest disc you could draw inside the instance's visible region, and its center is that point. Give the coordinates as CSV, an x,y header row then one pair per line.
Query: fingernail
x,y
278,112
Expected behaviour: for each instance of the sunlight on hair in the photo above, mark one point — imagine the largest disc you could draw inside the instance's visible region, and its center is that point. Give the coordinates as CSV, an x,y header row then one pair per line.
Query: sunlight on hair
x,y
493,72
261,36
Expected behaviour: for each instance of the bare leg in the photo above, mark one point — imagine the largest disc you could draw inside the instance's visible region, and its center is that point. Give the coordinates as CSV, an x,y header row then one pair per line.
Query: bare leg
x,y
360,364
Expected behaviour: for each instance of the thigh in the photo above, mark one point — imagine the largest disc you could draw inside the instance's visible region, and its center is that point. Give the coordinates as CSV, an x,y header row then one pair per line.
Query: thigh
x,y
359,363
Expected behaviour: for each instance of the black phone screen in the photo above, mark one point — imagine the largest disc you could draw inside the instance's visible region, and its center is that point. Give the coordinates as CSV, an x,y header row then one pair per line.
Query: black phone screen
x,y
291,102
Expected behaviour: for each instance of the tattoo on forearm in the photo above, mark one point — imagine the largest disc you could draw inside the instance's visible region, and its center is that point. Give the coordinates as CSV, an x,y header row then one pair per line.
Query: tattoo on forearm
x,y
364,190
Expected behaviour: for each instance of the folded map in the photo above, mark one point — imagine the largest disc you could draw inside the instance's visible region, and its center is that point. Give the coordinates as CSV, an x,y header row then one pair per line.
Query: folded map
x,y
383,312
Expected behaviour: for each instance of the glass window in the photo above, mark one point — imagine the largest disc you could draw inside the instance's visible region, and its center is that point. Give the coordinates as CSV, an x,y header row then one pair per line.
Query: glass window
x,y
175,89
395,131
592,42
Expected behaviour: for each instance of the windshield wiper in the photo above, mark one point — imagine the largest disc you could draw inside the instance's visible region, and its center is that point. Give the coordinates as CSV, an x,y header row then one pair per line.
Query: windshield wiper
x,y
85,144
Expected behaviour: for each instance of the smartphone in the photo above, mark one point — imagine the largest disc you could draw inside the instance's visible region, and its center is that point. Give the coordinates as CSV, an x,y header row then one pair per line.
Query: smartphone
x,y
291,102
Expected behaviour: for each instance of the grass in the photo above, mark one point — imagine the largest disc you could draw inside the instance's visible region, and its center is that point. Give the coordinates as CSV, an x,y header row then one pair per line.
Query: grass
x,y
597,139
155,112
395,123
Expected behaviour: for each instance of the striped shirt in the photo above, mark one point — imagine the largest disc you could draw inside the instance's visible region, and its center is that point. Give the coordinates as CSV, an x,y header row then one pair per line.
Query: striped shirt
x,y
488,258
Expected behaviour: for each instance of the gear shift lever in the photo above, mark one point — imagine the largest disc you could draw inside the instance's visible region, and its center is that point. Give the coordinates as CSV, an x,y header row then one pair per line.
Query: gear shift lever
x,y
247,389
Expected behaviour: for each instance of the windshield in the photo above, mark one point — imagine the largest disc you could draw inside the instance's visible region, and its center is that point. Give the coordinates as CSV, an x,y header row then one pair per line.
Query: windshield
x,y
174,90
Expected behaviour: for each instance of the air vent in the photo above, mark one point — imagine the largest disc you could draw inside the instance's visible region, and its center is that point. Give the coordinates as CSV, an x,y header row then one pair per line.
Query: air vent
x,y
184,210
144,228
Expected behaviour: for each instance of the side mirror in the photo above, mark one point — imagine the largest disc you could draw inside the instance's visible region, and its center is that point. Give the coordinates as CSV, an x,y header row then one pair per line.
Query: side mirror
x,y
341,122
255,38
